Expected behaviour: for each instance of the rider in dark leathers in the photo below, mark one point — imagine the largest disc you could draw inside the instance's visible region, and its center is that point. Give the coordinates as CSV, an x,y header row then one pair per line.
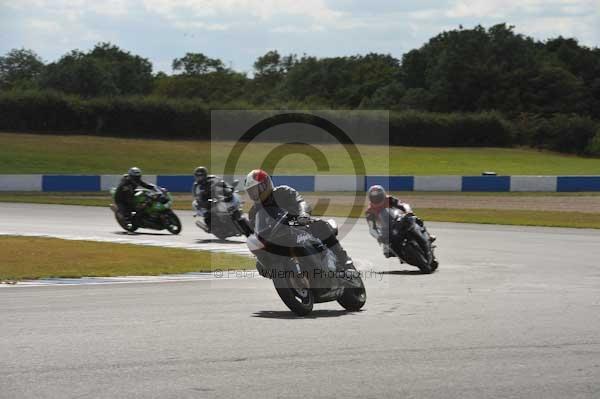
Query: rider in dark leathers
x,y
125,191
378,200
259,188
202,190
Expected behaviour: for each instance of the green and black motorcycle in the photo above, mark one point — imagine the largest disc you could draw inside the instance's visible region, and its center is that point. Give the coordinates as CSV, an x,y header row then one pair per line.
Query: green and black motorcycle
x,y
153,211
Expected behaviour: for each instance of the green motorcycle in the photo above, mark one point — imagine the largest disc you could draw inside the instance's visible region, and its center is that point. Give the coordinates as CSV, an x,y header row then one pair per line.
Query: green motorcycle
x,y
153,211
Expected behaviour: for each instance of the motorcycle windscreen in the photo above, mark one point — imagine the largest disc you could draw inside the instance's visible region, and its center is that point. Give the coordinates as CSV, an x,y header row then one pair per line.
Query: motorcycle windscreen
x,y
271,225
268,221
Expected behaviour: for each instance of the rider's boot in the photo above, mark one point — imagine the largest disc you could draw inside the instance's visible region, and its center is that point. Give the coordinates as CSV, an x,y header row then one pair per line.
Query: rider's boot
x,y
342,260
207,221
344,263
387,251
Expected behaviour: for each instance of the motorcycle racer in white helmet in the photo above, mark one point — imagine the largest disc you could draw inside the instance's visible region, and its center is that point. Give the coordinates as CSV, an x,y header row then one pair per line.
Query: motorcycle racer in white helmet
x,y
261,190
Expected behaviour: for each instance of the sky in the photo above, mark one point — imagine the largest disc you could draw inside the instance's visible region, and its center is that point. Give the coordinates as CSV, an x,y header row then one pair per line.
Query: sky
x,y
239,31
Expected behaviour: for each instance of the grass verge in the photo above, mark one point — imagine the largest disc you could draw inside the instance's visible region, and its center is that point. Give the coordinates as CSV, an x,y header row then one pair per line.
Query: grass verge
x,y
35,257
46,153
513,217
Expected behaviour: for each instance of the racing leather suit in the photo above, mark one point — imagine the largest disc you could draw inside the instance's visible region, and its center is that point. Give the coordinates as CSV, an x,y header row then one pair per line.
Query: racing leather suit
x,y
125,192
287,198
381,234
203,192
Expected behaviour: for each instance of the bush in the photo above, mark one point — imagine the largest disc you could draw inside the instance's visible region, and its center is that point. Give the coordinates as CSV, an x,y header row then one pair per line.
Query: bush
x,y
561,132
450,130
120,116
48,111
593,148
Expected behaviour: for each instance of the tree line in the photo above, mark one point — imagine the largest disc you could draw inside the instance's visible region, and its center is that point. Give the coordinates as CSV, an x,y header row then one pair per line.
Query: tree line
x,y
533,85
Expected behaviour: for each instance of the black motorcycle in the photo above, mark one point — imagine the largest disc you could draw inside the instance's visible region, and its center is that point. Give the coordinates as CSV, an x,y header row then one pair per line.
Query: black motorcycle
x,y
302,268
223,217
409,239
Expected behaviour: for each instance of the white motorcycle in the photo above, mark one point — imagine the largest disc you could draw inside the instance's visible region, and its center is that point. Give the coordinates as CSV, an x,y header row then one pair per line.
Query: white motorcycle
x,y
223,217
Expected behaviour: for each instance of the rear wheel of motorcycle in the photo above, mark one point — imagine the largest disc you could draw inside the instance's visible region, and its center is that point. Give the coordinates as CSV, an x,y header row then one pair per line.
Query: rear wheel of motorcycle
x,y
299,301
353,299
173,223
123,223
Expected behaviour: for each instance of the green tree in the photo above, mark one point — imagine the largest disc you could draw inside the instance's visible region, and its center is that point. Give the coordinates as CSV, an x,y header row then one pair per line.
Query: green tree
x,y
270,70
203,78
386,97
132,74
104,71
555,90
215,87
76,73
19,68
340,81
583,62
197,64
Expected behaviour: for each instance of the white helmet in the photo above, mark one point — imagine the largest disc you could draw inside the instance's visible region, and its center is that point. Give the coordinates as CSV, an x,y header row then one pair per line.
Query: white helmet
x,y
258,185
376,195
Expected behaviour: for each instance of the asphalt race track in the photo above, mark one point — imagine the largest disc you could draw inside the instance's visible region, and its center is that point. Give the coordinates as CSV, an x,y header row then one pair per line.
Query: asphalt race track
x,y
513,312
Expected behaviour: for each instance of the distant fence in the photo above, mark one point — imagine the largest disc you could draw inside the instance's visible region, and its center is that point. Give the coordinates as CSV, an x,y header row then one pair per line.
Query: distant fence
x,y
183,183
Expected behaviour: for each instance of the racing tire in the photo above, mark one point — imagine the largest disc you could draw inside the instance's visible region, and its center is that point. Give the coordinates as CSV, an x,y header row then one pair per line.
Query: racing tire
x,y
298,301
353,299
123,223
173,223
413,255
220,235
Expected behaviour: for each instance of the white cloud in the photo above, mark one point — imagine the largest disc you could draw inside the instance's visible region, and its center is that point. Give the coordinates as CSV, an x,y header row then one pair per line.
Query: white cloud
x,y
191,24
296,29
582,28
50,27
71,8
241,30
512,8
264,10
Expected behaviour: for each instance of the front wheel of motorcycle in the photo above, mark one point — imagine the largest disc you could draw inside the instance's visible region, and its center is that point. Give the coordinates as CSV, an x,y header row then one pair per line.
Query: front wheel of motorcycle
x,y
353,299
221,235
299,300
173,223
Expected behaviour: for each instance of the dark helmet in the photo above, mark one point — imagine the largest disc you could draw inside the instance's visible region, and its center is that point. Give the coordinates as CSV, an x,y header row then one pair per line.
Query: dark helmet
x,y
135,174
258,185
200,173
376,195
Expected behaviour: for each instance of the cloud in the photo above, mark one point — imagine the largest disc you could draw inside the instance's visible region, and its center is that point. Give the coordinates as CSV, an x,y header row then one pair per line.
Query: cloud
x,y
264,10
516,8
581,27
73,8
238,31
